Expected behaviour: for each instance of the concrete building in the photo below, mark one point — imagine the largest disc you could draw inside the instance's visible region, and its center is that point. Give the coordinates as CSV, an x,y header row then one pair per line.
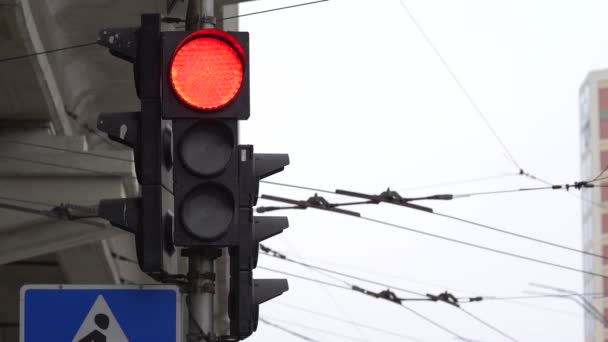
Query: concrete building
x,y
594,158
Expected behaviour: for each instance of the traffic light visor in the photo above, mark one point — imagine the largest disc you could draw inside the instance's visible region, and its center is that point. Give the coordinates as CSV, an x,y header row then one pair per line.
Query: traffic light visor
x,y
207,69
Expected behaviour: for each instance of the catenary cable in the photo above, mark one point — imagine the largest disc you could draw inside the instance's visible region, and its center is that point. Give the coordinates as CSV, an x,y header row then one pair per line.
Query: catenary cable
x,y
327,270
405,307
485,226
315,329
492,327
460,85
289,331
84,153
273,10
538,261
339,319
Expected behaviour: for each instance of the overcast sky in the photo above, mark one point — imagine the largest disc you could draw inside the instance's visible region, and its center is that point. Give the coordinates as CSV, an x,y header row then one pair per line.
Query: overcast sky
x,y
357,97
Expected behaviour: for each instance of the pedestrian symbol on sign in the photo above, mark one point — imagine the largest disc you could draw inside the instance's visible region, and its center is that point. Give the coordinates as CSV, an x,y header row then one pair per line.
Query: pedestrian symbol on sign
x,y
100,325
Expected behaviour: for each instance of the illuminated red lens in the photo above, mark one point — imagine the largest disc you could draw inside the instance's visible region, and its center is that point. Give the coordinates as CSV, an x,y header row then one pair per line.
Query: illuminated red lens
x,y
206,72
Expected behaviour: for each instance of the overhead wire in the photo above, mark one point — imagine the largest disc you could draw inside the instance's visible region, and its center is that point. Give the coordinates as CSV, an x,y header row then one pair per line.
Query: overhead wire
x,y
272,10
511,298
52,148
485,226
600,174
350,276
539,261
473,299
55,213
430,321
350,322
61,166
87,128
308,327
77,46
458,182
289,331
492,327
327,292
522,236
399,301
460,85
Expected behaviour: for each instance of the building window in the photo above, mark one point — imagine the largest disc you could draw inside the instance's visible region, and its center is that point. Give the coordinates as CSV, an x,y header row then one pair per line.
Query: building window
x,y
603,129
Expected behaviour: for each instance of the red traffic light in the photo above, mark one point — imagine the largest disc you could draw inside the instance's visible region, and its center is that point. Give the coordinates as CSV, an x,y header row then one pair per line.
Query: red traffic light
x,y
206,71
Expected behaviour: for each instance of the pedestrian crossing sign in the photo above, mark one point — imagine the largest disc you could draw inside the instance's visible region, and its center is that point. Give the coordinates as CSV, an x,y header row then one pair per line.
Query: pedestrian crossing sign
x,y
90,313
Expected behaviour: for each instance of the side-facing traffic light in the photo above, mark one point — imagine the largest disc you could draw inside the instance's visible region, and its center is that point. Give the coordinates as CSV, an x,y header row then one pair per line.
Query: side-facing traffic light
x,y
150,216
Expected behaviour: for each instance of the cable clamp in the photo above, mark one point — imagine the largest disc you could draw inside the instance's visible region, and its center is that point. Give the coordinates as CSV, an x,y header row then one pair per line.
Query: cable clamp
x,y
445,297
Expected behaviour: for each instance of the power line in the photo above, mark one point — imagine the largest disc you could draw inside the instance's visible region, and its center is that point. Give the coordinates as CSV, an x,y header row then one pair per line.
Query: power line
x,y
47,51
527,237
289,331
458,182
503,231
547,263
596,295
395,301
600,174
85,153
61,166
273,10
305,278
299,187
87,128
350,287
308,327
59,213
488,325
335,318
435,323
323,269
461,86
328,293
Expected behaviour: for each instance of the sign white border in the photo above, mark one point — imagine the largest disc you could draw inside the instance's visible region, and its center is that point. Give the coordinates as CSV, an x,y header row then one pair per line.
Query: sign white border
x,y
178,299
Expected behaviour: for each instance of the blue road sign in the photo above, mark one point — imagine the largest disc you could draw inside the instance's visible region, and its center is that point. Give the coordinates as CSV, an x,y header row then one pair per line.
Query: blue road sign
x,y
90,313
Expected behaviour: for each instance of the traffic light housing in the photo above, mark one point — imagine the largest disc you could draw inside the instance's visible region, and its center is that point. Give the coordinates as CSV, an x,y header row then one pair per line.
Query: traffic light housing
x,y
150,217
198,185
221,61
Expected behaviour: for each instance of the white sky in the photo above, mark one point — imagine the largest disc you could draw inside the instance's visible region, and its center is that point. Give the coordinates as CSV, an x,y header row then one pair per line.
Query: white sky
x,y
352,91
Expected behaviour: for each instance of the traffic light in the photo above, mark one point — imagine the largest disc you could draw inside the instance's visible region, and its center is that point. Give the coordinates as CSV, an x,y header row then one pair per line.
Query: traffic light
x,y
198,185
150,216
205,92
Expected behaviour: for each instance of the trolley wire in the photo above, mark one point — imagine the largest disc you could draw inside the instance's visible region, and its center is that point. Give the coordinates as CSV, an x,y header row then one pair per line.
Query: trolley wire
x,y
350,322
492,327
273,10
77,46
460,85
459,182
271,253
308,327
498,251
577,185
52,148
394,300
289,331
61,166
